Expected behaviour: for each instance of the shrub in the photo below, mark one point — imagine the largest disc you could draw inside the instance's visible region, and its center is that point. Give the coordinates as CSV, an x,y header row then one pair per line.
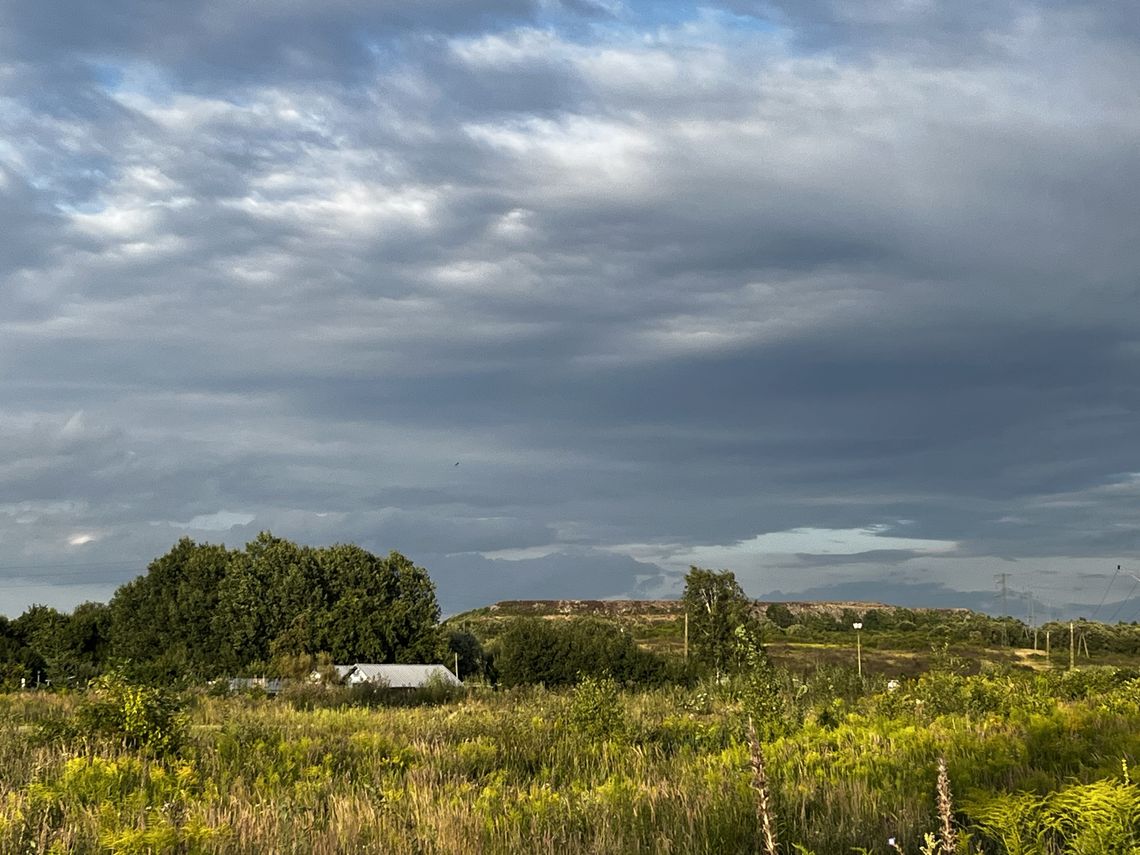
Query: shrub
x,y
780,615
596,709
136,716
536,651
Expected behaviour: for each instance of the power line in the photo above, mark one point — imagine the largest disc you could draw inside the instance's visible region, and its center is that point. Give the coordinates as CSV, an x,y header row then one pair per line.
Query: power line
x,y
4,568
1106,590
1132,591
48,583
1135,614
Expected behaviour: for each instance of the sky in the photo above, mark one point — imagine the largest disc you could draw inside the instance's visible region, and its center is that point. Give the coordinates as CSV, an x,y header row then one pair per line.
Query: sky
x,y
560,298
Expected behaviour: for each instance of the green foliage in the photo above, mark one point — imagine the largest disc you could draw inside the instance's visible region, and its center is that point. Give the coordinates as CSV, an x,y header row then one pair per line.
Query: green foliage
x,y
266,597
559,653
133,715
19,661
309,695
379,609
760,688
1043,761
1084,819
162,623
119,790
474,661
46,645
596,709
202,610
780,615
716,606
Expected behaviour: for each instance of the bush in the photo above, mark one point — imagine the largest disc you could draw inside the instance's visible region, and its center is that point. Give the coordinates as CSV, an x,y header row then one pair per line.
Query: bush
x,y
136,716
596,709
780,615
535,651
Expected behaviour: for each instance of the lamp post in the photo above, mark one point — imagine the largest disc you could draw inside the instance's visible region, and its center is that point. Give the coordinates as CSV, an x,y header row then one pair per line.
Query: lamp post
x,y
859,647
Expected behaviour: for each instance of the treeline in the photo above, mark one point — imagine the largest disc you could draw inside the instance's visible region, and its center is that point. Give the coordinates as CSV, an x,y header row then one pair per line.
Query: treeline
x,y
898,625
899,628
561,653
203,610
275,607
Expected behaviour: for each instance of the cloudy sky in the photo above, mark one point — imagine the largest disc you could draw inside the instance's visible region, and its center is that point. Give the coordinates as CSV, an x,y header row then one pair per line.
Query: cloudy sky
x,y
823,292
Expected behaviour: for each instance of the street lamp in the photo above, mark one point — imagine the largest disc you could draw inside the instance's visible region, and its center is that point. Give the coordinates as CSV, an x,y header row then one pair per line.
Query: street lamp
x,y
859,647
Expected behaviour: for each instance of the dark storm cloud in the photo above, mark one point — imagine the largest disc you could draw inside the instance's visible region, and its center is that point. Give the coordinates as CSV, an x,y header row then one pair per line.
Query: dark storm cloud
x,y
658,286
878,556
219,42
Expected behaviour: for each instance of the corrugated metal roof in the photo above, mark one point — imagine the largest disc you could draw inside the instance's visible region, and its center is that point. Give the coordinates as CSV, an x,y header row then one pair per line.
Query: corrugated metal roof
x,y
270,685
400,676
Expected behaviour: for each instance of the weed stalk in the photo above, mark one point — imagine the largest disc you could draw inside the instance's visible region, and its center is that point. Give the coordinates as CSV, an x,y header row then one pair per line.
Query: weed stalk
x,y
763,800
945,810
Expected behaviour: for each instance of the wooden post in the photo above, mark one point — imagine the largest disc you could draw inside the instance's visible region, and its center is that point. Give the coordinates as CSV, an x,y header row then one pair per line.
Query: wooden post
x,y
1048,632
686,635
1072,648
457,665
1035,640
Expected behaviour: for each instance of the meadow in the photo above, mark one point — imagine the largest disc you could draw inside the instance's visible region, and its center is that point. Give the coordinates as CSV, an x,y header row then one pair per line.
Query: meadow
x,y
1038,762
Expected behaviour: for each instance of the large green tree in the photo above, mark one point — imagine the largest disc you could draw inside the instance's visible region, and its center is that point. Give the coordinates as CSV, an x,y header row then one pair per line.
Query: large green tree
x,y
65,649
203,610
43,628
20,663
271,589
380,609
717,607
162,622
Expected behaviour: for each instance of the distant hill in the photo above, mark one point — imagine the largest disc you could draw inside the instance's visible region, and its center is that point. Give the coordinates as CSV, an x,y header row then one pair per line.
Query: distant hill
x,y
808,634
918,595
659,609
897,640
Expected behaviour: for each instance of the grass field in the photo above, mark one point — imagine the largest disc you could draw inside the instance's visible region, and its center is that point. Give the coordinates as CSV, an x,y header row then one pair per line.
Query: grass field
x,y
1038,763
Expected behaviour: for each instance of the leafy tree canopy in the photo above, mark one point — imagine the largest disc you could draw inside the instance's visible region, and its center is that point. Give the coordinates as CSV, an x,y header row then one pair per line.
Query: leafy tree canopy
x,y
559,653
202,610
717,606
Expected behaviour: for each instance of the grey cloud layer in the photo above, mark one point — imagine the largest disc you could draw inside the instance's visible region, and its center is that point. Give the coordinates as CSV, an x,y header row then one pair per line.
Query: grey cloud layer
x,y
646,284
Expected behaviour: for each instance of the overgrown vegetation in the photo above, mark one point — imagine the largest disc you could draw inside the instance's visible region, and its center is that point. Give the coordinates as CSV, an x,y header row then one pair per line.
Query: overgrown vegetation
x,y
534,651
571,736
1040,765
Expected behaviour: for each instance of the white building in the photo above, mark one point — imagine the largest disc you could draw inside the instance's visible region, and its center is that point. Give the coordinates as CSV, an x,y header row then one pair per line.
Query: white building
x,y
397,676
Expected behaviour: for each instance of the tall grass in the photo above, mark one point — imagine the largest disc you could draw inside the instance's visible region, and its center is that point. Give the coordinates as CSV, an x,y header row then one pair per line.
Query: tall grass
x,y
527,771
